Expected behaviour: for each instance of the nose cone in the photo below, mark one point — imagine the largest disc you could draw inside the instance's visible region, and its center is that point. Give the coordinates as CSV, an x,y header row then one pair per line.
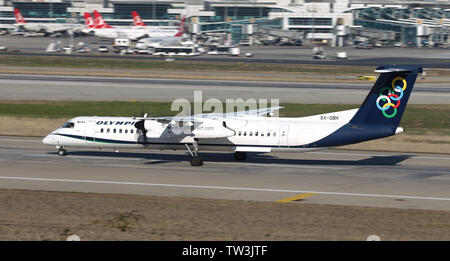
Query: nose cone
x,y
49,140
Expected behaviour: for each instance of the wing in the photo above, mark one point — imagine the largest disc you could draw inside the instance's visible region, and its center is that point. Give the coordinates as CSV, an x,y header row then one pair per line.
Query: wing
x,y
197,118
250,113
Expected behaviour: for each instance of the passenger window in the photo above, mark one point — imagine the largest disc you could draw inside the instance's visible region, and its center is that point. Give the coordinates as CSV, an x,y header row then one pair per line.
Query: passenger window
x,y
268,134
114,131
262,134
250,133
131,131
274,134
120,130
245,133
69,125
107,130
256,133
126,131
101,130
239,133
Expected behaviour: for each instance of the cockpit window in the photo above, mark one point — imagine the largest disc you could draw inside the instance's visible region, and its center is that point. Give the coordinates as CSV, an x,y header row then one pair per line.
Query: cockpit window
x,y
69,125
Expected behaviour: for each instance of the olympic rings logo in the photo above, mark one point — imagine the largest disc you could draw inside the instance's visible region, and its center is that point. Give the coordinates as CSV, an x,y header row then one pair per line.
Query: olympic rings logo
x,y
394,95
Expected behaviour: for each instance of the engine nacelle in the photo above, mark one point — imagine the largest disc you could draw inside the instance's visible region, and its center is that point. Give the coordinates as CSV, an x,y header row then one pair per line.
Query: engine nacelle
x,y
211,128
206,129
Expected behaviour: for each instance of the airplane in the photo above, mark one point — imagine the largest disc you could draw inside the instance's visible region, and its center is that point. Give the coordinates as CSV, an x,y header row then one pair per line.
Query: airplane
x,y
157,32
100,28
160,37
250,131
46,28
7,28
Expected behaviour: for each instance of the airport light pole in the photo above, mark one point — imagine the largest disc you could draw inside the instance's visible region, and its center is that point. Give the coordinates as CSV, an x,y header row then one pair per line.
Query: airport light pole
x,y
313,20
51,11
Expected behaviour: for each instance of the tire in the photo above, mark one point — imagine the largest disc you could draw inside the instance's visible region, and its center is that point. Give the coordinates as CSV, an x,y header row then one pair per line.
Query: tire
x,y
62,152
240,156
196,161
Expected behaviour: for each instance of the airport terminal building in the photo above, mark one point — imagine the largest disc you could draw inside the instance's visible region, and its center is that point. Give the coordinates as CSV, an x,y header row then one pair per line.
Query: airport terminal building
x,y
332,22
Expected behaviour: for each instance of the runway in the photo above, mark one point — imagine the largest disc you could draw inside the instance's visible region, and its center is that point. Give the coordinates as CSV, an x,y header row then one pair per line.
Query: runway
x,y
339,177
83,88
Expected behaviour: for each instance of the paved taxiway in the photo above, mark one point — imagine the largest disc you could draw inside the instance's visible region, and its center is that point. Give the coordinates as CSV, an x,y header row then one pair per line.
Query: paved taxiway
x,y
48,87
384,179
427,57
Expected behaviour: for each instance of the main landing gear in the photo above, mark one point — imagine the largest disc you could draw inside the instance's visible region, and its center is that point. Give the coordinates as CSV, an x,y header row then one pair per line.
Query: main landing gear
x,y
240,156
62,151
195,160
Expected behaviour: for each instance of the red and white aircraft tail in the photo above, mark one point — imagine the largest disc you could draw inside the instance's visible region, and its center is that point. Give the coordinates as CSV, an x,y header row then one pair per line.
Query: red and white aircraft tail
x,y
137,20
19,17
181,27
89,21
99,22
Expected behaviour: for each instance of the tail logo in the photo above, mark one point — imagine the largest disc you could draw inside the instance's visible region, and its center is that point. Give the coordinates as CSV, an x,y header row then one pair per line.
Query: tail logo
x,y
390,94
137,20
89,22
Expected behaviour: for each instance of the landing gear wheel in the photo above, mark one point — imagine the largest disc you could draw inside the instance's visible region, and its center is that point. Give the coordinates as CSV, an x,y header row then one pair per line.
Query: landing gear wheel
x,y
240,156
196,161
62,152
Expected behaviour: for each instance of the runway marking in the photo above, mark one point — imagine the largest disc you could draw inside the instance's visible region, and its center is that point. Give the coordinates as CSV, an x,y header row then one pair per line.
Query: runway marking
x,y
296,197
221,188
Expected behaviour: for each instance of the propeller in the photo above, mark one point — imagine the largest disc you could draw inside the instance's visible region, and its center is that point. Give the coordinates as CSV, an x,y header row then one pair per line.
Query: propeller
x,y
140,125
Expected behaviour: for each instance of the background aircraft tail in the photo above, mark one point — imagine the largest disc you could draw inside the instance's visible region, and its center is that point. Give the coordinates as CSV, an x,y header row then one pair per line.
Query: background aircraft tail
x,y
137,20
19,17
386,101
99,21
181,27
89,21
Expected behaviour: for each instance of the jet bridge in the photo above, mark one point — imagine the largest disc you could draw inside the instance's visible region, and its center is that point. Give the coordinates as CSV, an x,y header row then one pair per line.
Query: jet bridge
x,y
372,33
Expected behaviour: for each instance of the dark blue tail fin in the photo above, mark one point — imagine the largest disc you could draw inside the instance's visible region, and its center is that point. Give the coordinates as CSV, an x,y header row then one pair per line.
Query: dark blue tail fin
x,y
388,97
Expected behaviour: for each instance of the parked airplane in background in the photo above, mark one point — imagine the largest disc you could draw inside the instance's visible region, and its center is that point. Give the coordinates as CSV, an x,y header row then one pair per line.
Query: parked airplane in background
x,y
6,28
157,31
378,117
160,37
100,28
46,28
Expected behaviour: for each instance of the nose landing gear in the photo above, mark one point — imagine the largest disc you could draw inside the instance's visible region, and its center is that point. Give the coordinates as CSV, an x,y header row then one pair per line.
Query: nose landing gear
x,y
62,151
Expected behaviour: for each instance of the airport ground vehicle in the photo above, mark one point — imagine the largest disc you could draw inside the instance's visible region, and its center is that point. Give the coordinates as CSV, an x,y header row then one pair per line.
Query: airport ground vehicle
x,y
176,50
103,49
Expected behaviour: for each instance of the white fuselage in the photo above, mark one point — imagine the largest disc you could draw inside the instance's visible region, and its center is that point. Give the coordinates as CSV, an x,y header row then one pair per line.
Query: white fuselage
x,y
131,33
246,134
120,33
50,27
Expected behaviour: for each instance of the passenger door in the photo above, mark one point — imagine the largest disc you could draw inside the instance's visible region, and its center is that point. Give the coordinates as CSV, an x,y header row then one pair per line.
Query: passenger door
x,y
89,132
